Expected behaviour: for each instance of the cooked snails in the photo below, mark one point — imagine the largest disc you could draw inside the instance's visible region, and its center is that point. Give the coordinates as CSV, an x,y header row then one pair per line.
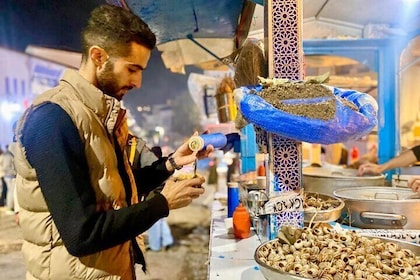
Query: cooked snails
x,y
322,253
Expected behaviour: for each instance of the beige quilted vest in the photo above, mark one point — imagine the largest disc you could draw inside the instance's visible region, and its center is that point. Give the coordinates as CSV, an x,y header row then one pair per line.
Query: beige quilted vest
x,y
97,117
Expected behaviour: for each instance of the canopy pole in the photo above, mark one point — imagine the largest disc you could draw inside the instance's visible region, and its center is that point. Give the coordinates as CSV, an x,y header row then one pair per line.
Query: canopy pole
x,y
191,38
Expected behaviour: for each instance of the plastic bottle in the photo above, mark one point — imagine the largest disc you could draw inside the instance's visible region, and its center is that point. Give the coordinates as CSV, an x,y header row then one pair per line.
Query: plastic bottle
x,y
233,197
241,222
354,154
261,170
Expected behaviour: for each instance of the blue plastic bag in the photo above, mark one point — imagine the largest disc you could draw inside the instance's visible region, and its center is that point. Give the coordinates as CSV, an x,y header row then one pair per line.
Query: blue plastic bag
x,y
347,124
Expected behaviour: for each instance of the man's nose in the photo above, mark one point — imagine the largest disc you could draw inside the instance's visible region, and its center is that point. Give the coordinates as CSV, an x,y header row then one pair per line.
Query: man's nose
x,y
136,81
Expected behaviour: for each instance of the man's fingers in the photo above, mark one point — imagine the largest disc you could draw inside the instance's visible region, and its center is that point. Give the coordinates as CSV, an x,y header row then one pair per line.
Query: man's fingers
x,y
414,184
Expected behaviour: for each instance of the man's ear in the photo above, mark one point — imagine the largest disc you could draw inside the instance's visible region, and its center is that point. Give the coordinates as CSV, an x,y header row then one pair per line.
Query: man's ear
x,y
98,55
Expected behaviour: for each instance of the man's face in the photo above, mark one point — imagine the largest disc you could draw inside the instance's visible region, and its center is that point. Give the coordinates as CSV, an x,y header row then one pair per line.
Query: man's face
x,y
121,74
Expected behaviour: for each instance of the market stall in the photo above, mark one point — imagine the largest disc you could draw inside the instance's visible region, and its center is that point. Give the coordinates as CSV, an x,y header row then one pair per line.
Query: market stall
x,y
284,156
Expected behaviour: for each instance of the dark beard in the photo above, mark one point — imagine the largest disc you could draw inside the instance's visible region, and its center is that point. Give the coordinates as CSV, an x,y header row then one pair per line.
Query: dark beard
x,y
107,82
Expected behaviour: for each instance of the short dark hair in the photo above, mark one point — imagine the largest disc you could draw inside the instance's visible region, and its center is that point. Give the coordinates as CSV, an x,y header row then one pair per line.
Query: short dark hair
x,y
114,29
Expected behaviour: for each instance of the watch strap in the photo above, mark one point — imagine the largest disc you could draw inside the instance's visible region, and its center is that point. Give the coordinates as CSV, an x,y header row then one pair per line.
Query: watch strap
x,y
173,163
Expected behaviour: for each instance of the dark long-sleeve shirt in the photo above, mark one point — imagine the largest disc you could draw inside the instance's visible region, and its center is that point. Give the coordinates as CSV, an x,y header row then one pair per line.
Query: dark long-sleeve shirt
x,y
416,151
54,148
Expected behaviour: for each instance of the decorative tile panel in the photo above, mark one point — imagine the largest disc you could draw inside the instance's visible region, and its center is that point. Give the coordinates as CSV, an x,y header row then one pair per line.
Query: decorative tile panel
x,y
286,46
285,56
284,164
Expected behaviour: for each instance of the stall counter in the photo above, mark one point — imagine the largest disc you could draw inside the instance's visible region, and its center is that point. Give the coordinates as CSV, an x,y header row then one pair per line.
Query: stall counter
x,y
231,258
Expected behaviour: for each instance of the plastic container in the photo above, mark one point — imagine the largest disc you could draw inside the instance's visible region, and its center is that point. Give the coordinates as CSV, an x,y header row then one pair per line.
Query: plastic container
x,y
241,222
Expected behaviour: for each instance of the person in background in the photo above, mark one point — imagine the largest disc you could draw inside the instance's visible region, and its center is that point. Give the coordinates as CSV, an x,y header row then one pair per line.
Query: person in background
x,y
335,154
233,171
2,182
404,159
212,178
160,235
9,175
81,213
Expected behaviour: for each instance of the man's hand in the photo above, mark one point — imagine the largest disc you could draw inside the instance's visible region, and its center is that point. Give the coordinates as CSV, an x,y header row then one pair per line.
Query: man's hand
x,y
369,169
414,184
183,155
180,193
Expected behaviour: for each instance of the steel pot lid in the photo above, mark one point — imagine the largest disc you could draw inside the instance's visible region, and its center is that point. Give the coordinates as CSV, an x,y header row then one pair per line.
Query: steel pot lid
x,y
338,173
377,194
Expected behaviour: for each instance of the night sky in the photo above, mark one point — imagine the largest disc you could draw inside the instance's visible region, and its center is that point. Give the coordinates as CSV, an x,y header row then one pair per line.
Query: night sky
x,y
52,23
58,23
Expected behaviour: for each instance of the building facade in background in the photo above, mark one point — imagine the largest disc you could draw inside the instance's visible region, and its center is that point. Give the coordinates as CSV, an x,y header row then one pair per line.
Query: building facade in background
x,y
22,77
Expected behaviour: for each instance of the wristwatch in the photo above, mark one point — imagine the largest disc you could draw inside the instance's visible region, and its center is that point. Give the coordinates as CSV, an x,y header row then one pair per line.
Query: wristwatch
x,y
173,163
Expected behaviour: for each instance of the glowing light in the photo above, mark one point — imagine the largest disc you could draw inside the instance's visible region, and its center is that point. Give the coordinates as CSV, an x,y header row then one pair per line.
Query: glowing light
x,y
144,109
8,110
160,130
130,121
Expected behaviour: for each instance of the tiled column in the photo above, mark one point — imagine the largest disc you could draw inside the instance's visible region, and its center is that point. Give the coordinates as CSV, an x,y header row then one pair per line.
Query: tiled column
x,y
284,48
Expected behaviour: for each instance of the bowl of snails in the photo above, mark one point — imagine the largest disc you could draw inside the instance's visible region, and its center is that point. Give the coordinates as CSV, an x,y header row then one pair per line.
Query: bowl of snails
x,y
323,252
318,207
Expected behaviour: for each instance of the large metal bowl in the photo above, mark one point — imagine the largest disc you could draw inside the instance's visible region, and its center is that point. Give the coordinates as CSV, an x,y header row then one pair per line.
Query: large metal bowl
x,y
327,180
274,274
271,273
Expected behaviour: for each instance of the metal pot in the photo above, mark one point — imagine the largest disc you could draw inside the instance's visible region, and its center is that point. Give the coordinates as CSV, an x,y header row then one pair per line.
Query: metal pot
x,y
327,180
381,207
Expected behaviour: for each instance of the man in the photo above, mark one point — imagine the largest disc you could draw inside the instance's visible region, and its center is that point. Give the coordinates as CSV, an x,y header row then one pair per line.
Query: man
x,y
80,208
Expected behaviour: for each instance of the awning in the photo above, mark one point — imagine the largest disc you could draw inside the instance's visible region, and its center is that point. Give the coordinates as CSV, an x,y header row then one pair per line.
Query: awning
x,y
191,32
